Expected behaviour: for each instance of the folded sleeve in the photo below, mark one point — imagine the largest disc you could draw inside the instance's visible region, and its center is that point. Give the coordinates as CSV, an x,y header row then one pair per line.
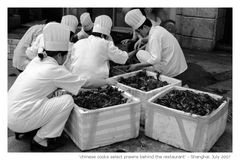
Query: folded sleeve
x,y
68,81
115,54
28,37
155,50
31,52
31,34
36,47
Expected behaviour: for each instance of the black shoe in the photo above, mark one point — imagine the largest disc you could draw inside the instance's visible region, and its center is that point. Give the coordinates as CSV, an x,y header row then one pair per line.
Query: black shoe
x,y
36,147
52,143
29,134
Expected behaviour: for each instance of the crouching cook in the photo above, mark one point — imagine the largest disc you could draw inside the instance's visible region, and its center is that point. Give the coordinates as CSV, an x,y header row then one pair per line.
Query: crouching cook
x,y
162,51
37,46
87,26
90,56
71,21
20,58
29,107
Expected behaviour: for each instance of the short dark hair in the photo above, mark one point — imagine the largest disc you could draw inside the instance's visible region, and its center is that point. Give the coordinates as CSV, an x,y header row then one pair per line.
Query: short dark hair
x,y
71,34
147,22
167,21
96,34
73,37
52,53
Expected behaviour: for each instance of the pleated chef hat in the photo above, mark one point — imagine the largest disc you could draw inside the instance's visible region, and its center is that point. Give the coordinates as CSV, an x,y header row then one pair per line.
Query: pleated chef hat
x,y
46,25
56,37
135,18
103,24
70,21
86,21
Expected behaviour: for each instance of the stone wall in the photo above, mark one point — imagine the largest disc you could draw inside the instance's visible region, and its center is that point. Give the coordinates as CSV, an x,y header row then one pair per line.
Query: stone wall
x,y
199,28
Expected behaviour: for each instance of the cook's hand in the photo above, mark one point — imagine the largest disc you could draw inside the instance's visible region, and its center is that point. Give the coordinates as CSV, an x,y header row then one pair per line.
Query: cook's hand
x,y
138,44
111,81
125,41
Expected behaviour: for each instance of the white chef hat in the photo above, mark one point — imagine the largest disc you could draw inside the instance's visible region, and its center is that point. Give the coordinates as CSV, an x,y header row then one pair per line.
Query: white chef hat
x,y
46,25
56,37
135,18
71,21
103,24
86,21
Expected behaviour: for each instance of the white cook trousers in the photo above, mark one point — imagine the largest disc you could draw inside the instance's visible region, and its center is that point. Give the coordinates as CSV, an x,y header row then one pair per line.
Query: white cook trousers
x,y
50,118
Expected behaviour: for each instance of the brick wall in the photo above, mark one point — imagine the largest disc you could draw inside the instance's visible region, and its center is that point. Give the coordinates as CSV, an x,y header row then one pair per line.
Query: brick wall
x,y
199,28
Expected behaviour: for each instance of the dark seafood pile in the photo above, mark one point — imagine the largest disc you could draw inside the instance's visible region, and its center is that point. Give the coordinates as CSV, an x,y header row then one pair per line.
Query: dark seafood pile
x,y
190,102
99,98
142,81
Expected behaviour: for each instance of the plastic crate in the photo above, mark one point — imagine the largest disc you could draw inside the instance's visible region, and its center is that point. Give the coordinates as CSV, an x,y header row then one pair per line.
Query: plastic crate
x,y
184,130
90,129
143,95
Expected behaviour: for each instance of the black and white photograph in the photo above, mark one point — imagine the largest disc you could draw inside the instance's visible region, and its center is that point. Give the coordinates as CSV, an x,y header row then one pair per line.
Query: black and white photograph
x,y
99,80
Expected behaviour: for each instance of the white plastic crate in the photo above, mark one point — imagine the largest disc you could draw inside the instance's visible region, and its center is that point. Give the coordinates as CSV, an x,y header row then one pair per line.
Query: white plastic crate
x,y
90,129
183,130
144,95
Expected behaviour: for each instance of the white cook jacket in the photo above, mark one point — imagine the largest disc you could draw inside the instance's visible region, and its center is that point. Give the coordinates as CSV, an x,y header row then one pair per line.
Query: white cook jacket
x,y
31,88
90,57
82,34
36,47
165,53
20,59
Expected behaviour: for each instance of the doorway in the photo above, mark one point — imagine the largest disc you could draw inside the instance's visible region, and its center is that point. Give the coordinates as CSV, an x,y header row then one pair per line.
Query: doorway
x,y
227,37
225,43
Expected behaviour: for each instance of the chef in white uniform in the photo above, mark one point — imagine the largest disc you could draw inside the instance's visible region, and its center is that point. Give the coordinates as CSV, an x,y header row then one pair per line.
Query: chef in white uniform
x,y
90,57
87,26
162,52
70,21
37,46
20,58
29,107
